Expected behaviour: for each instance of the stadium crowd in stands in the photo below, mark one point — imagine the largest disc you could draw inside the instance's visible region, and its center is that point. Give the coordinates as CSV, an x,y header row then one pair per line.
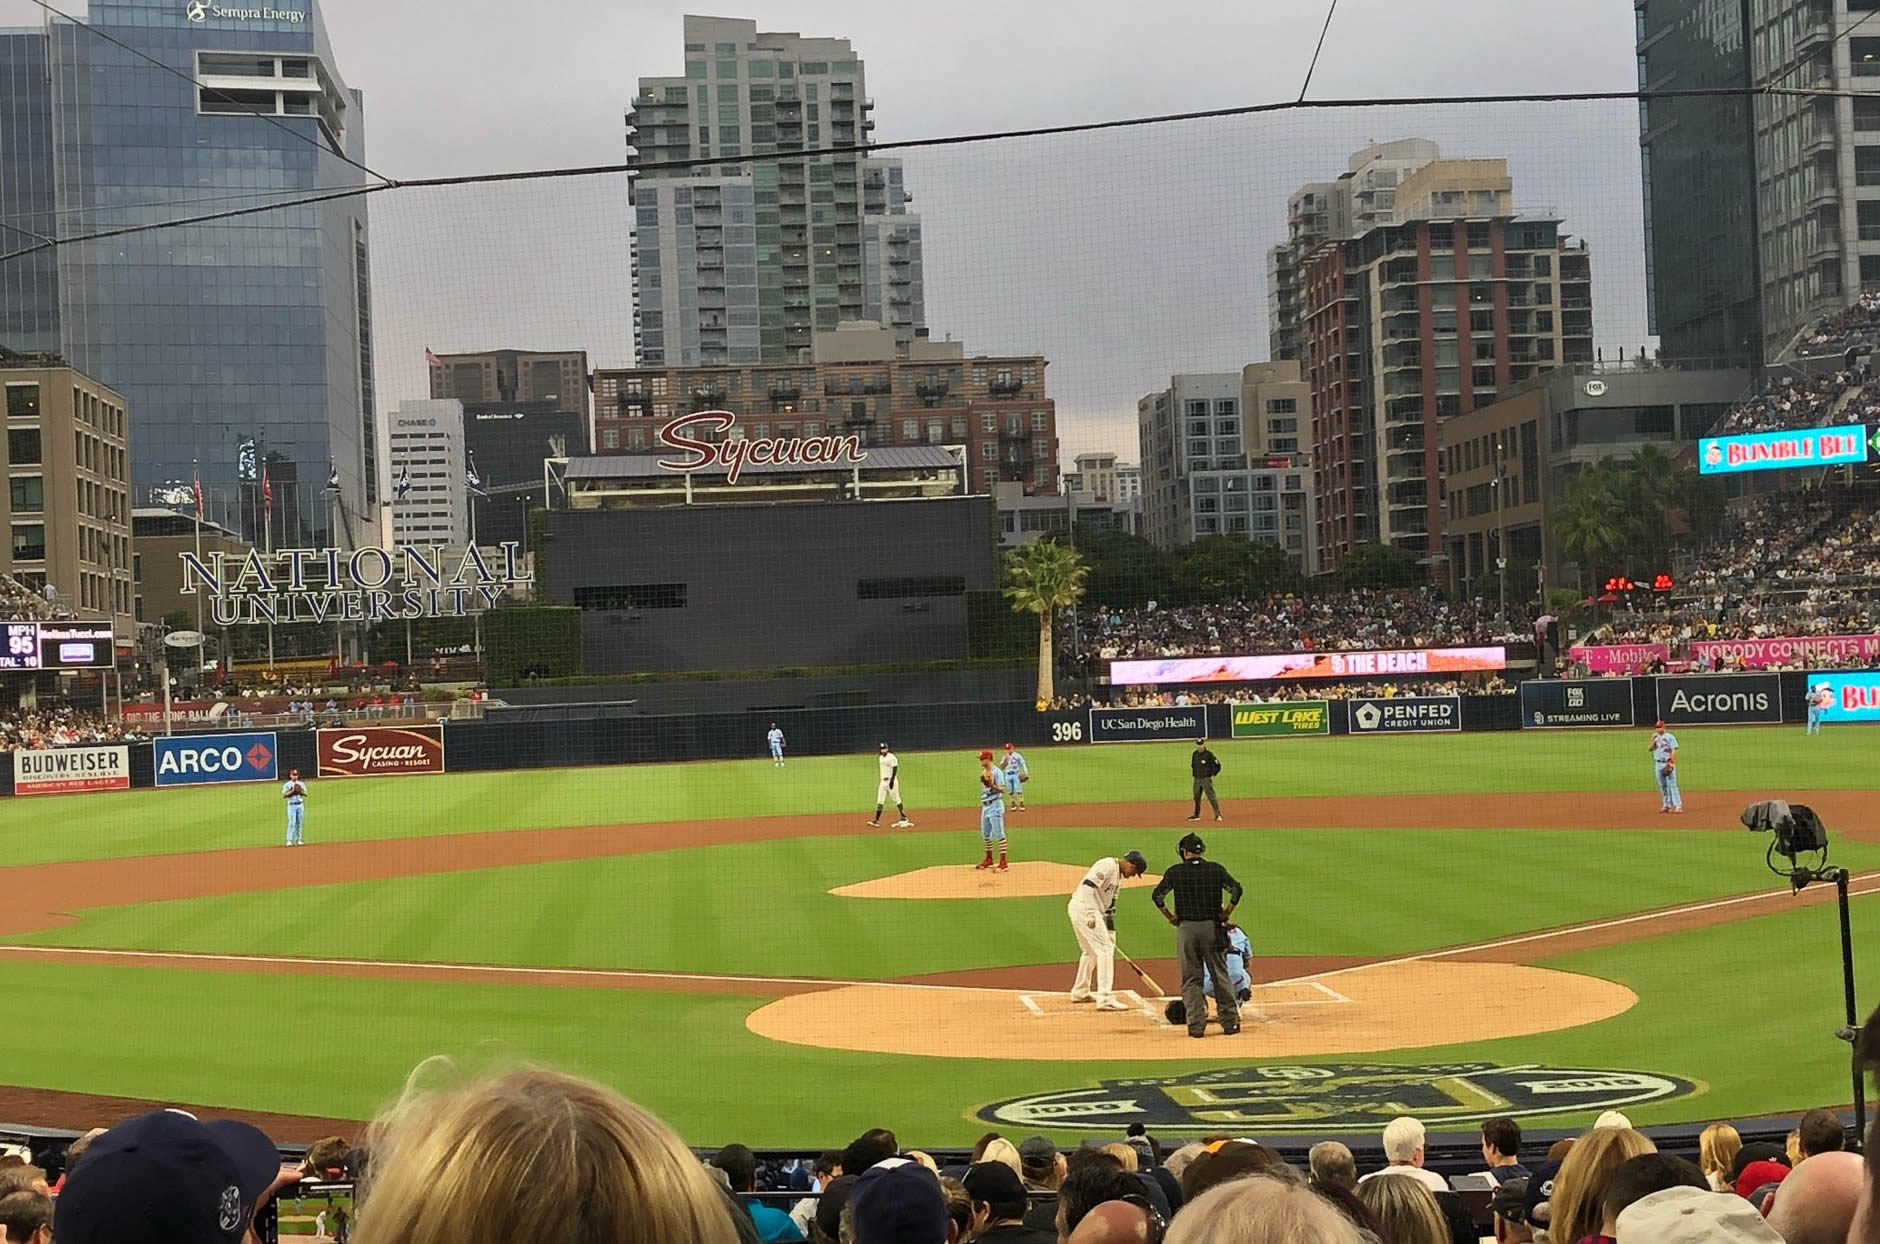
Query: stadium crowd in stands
x,y
57,727
550,1158
1850,328
1334,622
1788,402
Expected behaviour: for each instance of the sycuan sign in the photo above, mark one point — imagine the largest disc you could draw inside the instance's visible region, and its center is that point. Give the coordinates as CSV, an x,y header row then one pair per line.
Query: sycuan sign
x,y
352,585
732,456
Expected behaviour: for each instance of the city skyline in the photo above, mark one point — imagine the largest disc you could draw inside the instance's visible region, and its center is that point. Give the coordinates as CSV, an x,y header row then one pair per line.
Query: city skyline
x,y
1032,245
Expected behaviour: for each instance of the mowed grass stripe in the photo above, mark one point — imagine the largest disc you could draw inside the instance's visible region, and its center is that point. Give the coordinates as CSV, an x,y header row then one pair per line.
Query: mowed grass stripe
x,y
39,830
764,908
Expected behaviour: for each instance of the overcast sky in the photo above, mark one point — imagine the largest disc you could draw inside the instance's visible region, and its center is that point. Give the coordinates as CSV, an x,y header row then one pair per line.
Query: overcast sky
x,y
1123,256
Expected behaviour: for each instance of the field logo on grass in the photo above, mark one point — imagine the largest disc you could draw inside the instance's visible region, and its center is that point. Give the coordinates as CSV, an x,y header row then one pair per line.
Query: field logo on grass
x,y
377,751
70,770
1265,721
1320,1096
213,759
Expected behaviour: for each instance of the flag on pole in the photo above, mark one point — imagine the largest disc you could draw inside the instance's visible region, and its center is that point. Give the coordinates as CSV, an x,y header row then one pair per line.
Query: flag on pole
x,y
332,478
431,359
474,480
402,484
267,491
195,489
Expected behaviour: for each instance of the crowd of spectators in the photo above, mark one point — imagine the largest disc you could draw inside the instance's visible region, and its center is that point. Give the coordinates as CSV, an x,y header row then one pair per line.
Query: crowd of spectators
x,y
1851,328
21,603
1787,402
550,1158
1333,622
1288,692
57,727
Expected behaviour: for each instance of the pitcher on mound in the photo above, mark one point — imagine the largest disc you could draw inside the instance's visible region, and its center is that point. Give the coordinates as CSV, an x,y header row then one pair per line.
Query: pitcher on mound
x,y
991,810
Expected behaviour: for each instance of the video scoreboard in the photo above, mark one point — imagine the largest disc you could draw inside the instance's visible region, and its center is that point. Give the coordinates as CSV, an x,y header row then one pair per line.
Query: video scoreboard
x,y
57,646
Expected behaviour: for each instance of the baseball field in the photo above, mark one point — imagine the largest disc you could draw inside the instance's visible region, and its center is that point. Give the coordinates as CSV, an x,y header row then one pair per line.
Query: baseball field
x,y
1454,926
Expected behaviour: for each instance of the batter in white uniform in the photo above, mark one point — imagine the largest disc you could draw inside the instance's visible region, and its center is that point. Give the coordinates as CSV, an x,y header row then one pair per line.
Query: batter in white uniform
x,y
1093,920
890,789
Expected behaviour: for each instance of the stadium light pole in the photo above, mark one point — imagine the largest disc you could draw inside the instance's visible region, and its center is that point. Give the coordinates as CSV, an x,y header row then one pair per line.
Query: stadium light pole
x,y
1501,533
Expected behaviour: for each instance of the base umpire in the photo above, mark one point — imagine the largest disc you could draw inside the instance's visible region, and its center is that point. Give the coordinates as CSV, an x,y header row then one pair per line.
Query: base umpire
x,y
1200,919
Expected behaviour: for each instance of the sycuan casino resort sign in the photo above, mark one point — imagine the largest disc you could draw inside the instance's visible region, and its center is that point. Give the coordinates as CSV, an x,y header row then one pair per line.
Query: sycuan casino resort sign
x,y
352,585
732,456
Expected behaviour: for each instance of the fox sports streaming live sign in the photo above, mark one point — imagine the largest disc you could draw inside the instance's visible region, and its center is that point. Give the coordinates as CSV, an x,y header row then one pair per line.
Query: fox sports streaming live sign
x,y
1285,666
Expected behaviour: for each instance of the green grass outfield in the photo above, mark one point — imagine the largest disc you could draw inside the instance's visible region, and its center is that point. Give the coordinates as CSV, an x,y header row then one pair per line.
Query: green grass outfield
x,y
1715,1003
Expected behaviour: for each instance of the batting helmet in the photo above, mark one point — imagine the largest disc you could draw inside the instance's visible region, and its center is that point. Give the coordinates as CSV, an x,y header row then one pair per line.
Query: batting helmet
x,y
1192,844
1135,857
1176,1012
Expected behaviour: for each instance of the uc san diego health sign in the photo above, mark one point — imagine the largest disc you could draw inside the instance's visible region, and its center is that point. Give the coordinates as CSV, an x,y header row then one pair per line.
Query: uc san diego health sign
x,y
352,585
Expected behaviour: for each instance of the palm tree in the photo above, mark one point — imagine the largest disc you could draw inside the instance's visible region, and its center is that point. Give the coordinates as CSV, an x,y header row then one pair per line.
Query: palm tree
x,y
1589,523
1042,578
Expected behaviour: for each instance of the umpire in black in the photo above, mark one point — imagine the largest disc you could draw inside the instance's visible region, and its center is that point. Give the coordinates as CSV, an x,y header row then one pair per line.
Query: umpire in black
x,y
1200,919
1204,766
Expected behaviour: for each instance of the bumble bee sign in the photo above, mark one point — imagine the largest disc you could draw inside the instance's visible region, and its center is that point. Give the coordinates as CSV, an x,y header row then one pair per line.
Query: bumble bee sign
x,y
353,585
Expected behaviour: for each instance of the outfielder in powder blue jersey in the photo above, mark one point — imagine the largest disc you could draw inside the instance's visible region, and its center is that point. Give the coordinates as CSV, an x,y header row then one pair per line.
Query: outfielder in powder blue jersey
x,y
1016,773
294,791
1820,699
775,739
1664,749
991,810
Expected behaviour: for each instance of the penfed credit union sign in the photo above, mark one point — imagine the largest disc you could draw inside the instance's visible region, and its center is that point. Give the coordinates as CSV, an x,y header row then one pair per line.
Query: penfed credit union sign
x,y
353,585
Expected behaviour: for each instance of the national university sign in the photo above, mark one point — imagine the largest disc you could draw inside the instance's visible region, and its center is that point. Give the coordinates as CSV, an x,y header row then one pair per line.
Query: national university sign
x,y
352,585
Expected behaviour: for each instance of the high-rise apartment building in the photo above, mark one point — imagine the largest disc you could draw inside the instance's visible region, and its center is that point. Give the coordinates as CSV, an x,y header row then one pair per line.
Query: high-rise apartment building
x,y
758,221
68,488
857,381
512,376
239,342
1413,322
1207,467
429,497
1756,208
1363,197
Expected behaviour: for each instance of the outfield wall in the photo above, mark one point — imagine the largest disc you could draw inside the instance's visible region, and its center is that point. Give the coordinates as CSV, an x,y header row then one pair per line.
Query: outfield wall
x,y
598,733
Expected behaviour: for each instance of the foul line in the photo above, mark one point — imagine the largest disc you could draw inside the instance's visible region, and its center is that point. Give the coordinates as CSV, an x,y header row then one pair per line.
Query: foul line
x,y
1031,1004
1572,930
538,975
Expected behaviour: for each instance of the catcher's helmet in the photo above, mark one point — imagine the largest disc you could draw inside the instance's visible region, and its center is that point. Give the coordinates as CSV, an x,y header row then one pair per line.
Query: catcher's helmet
x,y
1192,843
1176,1012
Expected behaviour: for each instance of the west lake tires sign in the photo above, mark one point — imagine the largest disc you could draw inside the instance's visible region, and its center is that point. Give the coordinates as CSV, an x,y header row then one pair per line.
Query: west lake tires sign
x,y
1327,1096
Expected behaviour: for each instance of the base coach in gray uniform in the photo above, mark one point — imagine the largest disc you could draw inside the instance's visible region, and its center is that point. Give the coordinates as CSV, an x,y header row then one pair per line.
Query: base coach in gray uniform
x,y
1200,919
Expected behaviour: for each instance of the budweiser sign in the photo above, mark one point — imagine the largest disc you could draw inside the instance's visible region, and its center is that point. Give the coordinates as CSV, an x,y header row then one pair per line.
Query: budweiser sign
x,y
732,456
377,751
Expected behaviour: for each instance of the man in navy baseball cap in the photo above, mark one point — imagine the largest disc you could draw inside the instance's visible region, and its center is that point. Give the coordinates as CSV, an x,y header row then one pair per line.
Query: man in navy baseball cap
x,y
169,1178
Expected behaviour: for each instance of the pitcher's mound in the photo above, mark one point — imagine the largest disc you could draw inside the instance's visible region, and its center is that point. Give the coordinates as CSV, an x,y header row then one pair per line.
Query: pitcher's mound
x,y
1025,879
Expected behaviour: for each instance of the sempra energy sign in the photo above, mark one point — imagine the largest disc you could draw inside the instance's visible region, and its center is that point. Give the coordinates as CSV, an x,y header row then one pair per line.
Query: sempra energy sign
x,y
198,11
732,456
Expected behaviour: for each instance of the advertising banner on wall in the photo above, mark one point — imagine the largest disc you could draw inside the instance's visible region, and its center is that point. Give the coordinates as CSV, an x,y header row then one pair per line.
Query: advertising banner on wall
x,y
1414,714
1618,658
1281,720
1147,725
1789,649
1298,665
1550,704
1856,696
70,770
1719,699
215,759
379,751
1775,451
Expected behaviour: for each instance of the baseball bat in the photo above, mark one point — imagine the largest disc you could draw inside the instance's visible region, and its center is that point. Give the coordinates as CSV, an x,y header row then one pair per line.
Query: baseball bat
x,y
1159,992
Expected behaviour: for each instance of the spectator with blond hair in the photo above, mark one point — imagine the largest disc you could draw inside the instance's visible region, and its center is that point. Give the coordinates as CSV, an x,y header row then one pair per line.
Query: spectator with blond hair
x,y
1579,1200
1004,1152
1406,1208
539,1156
1717,1147
1262,1210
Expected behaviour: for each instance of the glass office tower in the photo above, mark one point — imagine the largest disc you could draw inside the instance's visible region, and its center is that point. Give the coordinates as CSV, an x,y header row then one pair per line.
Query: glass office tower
x,y
243,345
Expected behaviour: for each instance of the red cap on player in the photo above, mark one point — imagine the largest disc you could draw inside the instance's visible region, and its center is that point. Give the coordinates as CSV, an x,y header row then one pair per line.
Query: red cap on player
x,y
1659,726
985,755
1008,747
293,773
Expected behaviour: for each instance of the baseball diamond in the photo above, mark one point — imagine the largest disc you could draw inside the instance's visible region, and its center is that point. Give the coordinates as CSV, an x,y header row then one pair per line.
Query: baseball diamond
x,y
1405,904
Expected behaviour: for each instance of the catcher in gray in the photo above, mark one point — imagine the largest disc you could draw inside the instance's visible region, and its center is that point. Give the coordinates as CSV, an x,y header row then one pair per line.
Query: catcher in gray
x,y
1200,919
